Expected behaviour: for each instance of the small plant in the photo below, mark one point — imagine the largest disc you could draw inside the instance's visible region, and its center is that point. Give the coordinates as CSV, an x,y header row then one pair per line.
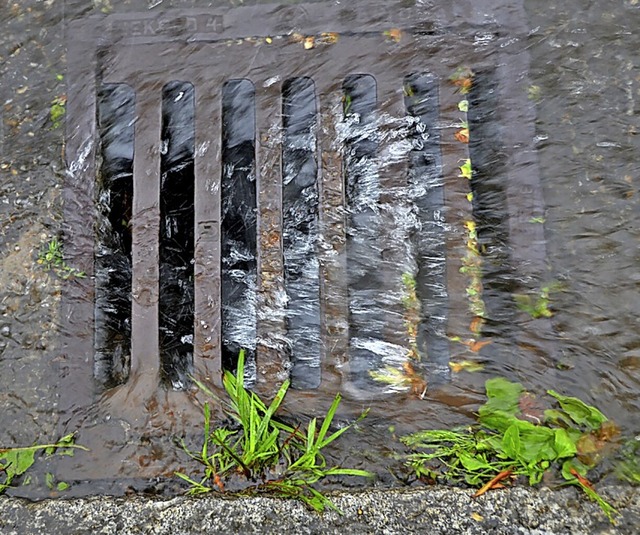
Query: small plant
x,y
51,258
628,466
269,455
537,305
57,110
14,462
516,437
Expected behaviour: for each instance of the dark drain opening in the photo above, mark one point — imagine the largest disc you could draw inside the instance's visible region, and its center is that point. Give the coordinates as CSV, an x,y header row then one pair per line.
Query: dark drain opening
x,y
426,185
114,191
239,224
176,288
362,192
300,231
488,159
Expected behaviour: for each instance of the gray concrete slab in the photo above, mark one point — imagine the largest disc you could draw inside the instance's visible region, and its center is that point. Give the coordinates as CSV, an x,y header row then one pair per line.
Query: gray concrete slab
x,y
436,510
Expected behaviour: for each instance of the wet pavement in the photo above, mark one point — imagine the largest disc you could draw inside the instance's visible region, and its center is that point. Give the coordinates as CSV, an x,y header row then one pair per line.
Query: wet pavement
x,y
585,83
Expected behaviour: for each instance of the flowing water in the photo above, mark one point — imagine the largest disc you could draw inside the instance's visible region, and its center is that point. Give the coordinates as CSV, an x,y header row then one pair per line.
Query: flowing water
x,y
381,263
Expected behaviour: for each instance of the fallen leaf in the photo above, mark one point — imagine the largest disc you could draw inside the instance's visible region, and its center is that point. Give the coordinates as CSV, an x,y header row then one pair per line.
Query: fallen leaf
x,y
329,38
531,408
309,43
466,365
476,323
477,517
462,135
394,34
475,345
502,475
583,480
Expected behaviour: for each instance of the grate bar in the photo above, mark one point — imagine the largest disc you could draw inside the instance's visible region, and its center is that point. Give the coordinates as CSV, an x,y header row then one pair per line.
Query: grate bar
x,y
271,361
333,283
207,272
145,230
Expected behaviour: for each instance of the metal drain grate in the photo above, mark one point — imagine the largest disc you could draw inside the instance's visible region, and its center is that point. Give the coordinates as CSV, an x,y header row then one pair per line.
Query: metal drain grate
x,y
266,142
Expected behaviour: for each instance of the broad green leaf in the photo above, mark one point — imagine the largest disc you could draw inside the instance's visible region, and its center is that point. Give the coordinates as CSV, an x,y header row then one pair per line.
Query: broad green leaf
x,y
20,460
557,417
495,419
503,390
473,463
537,445
62,486
579,411
564,446
511,442
503,402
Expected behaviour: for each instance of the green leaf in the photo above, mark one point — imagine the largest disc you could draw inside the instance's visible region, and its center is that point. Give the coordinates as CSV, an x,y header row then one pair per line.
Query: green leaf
x,y
502,403
563,444
557,417
495,419
473,463
511,442
574,463
579,411
503,390
19,460
537,444
62,486
465,170
48,479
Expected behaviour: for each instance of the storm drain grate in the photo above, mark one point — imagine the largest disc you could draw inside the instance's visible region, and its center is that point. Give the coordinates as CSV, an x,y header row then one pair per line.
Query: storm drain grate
x,y
287,181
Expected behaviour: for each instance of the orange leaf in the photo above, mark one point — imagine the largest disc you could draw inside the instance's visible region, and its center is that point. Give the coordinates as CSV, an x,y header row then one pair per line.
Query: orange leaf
x,y
476,324
395,34
492,484
583,480
462,135
475,345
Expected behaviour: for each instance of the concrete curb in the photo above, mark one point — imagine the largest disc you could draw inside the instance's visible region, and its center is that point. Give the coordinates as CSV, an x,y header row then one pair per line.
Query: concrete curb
x,y
436,510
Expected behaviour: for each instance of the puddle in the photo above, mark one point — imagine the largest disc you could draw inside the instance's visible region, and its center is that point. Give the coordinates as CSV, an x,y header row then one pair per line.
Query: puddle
x,y
302,198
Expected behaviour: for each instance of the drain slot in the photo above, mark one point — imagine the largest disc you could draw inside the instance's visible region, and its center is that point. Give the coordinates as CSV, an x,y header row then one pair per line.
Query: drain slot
x,y
490,202
426,188
176,251
300,231
114,198
367,317
239,224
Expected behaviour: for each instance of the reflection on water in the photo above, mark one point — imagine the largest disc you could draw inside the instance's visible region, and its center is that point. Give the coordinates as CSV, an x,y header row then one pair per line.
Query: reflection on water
x,y
584,86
